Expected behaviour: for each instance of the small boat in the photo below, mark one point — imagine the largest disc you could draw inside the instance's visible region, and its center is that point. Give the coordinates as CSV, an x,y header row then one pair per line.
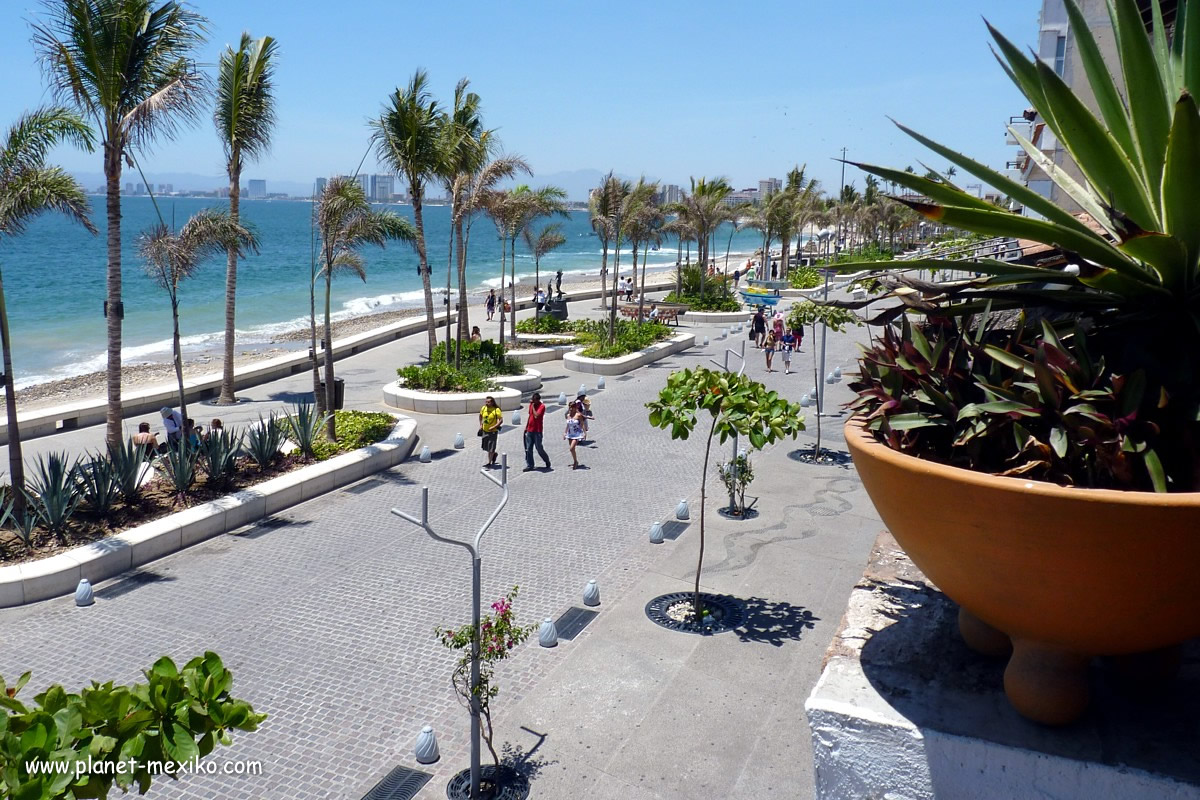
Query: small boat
x,y
758,297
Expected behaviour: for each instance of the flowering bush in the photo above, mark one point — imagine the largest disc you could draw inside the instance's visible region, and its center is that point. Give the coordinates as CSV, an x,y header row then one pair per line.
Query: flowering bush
x,y
499,635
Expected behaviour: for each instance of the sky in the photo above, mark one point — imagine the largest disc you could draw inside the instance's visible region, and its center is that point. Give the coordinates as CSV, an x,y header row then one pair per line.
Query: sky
x,y
664,89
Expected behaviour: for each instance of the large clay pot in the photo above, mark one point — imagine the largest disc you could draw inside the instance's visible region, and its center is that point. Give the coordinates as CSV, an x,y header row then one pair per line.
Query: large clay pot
x,y
1065,574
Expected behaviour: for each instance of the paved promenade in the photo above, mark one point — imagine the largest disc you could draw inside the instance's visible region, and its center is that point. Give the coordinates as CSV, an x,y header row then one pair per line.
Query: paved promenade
x,y
326,613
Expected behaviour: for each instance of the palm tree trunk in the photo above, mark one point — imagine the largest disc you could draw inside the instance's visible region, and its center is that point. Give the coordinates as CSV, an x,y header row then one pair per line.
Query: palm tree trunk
x,y
612,312
416,191
231,264
330,397
512,267
634,247
318,398
16,462
464,318
642,294
113,310
449,273
500,297
604,276
697,610
177,350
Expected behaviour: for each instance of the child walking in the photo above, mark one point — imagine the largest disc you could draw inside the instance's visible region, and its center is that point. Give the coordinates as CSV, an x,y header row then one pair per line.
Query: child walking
x,y
769,349
574,434
787,346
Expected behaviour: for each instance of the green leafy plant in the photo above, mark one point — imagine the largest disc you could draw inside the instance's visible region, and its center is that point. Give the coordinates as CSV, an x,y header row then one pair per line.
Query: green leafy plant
x,y
304,427
356,429
543,324
499,636
1130,277
99,484
630,337
804,277
264,441
67,745
219,455
443,377
25,522
128,462
712,301
55,494
737,405
180,467
736,474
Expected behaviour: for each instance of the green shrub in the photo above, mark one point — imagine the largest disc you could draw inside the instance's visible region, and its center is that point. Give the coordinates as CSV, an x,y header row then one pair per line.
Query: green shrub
x,y
804,278
711,301
355,429
439,376
630,337
488,354
543,324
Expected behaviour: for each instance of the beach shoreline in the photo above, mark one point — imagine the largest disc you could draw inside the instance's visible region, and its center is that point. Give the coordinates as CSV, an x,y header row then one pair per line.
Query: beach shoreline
x,y
155,373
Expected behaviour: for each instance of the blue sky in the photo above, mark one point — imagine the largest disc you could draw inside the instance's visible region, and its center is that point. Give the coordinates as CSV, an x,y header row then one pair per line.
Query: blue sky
x,y
666,89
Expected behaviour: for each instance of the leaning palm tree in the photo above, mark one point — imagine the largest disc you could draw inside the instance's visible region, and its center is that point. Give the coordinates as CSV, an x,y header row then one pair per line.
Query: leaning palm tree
x,y
345,223
128,67
244,116
27,188
408,139
542,242
173,258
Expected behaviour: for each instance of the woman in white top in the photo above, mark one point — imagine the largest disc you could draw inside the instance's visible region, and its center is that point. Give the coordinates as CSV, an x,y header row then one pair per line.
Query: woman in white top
x,y
574,433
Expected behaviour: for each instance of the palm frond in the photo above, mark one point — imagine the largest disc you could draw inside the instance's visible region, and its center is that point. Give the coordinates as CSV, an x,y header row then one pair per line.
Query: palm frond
x,y
245,102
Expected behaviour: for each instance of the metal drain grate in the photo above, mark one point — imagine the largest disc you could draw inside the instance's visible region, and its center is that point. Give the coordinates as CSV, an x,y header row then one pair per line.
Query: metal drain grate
x,y
402,783
572,621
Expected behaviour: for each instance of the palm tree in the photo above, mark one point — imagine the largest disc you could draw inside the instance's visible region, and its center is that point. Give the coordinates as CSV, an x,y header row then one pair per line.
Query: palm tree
x,y
244,117
345,223
27,188
682,230
704,209
127,66
408,139
464,149
527,205
172,258
544,241
601,213
636,223
649,221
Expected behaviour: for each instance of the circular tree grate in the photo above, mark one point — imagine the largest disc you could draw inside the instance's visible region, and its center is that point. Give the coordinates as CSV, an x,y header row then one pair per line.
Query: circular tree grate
x,y
749,513
674,611
511,785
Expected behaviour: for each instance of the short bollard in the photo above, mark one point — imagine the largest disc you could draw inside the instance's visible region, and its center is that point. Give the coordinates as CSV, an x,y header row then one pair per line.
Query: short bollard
x,y
656,533
706,341
562,398
583,388
724,332
805,400
681,510
426,750
600,382
548,634
426,455
837,372
459,441
516,417
591,594
83,593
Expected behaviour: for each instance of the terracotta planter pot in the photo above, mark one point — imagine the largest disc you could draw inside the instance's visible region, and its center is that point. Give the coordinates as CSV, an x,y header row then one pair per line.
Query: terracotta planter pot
x,y
1065,574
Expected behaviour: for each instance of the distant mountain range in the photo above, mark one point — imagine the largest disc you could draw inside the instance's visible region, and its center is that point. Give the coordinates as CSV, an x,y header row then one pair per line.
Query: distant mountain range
x,y
577,183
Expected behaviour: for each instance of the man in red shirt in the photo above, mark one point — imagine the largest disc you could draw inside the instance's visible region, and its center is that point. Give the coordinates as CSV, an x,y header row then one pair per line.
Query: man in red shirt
x,y
533,432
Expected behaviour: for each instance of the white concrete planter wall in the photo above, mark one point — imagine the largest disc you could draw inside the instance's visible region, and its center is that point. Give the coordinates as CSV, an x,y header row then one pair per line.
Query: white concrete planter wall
x,y
507,395
628,363
546,338
716,317
60,574
536,355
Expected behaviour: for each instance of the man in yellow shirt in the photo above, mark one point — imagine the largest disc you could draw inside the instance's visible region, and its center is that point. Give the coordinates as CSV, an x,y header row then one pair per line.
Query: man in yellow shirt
x,y
490,419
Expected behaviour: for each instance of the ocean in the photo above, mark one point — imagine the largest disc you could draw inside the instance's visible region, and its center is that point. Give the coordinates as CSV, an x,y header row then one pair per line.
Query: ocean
x,y
54,277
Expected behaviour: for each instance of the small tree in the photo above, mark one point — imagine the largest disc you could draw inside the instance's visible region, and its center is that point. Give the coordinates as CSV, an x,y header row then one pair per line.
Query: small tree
x,y
738,405
834,318
736,474
499,635
177,715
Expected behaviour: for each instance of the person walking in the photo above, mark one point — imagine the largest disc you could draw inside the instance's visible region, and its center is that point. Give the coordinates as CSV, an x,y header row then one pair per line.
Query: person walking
x,y
491,304
786,346
574,433
490,419
769,349
759,327
533,432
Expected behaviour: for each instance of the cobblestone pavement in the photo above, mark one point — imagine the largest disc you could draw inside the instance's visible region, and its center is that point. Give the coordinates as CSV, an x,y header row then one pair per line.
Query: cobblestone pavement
x,y
325,613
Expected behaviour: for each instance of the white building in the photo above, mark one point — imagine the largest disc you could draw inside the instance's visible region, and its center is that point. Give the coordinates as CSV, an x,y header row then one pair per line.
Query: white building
x,y
382,188
769,186
258,189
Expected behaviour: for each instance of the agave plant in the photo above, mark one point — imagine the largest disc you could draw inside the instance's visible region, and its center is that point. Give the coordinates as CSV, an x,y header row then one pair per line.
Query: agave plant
x,y
54,493
179,467
128,463
264,441
1131,267
99,484
304,427
218,457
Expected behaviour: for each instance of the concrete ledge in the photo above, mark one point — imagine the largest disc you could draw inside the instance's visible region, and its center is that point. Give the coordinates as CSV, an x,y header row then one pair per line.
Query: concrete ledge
x,y
58,575
507,395
904,709
546,338
627,363
536,355
716,317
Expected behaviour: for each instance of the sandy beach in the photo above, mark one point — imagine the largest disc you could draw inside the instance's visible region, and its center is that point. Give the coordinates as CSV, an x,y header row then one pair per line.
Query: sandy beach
x,y
144,375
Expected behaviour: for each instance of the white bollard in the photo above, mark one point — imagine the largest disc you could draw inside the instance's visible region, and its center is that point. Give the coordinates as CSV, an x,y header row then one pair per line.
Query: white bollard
x,y
426,749
548,634
583,388
459,441
656,533
600,382
83,593
591,594
706,341
805,400
837,372
681,510
516,417
562,398
426,455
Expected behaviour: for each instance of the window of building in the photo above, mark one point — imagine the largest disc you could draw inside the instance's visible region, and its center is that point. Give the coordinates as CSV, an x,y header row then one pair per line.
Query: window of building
x,y
1060,55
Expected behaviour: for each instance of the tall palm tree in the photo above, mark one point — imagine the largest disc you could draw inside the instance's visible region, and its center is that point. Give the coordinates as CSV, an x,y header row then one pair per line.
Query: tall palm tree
x,y
127,66
245,117
635,217
682,230
464,150
408,139
549,238
601,213
28,188
649,222
704,209
173,258
345,223
528,205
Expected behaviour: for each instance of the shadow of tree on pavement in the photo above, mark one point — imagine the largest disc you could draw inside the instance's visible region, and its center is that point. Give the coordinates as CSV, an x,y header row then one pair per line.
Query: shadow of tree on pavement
x,y
774,622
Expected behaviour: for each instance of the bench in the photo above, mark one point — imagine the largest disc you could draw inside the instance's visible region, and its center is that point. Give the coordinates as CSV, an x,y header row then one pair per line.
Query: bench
x,y
668,315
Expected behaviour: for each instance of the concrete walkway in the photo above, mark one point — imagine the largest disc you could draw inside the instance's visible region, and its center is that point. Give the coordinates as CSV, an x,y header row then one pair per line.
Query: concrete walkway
x,y
326,613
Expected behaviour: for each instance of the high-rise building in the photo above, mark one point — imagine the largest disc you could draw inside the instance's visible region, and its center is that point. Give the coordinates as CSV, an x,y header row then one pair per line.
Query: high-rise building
x,y
139,188
365,182
128,188
768,187
320,186
382,188
671,193
258,189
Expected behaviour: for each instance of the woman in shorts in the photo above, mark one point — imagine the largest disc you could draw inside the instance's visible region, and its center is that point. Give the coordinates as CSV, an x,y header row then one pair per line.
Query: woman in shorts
x,y
490,417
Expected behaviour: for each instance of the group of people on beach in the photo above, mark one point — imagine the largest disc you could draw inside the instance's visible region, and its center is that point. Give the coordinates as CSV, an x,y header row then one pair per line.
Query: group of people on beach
x,y
575,432
176,429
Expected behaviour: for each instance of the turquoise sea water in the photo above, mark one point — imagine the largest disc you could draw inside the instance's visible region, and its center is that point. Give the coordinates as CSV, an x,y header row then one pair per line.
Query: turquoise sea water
x,y
54,281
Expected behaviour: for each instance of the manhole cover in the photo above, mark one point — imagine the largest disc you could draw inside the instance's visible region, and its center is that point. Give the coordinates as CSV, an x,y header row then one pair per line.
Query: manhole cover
x,y
572,621
674,611
510,786
402,783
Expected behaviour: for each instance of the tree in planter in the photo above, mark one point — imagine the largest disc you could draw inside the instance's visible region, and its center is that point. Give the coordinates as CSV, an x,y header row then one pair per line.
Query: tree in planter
x,y
499,635
737,405
834,318
540,243
177,715
737,474
171,258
